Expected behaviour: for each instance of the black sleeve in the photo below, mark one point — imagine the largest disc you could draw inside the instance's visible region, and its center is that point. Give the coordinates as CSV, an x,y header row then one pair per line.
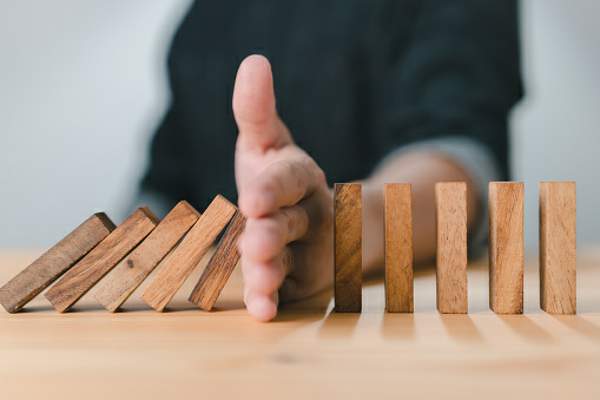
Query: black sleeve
x,y
165,172
459,75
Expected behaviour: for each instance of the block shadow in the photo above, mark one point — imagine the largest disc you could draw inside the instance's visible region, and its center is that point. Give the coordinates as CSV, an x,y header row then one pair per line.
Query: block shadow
x,y
580,325
460,327
398,326
338,325
528,330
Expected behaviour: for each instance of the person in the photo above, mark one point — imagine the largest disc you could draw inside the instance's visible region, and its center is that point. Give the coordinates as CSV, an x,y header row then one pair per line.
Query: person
x,y
379,91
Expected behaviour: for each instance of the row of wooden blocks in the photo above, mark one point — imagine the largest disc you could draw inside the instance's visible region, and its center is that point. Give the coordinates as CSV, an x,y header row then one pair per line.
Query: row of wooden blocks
x,y
130,252
557,244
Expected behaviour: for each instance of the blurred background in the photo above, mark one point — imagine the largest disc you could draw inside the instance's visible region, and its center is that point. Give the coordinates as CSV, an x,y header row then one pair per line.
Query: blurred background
x,y
83,85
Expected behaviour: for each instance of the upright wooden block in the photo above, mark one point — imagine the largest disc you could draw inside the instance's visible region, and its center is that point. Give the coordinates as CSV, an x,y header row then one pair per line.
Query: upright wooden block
x,y
116,288
398,248
221,265
506,247
451,257
175,269
558,247
54,262
348,247
98,262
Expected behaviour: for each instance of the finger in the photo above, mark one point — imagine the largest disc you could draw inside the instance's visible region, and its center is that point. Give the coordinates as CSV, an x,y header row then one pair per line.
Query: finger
x,y
265,238
254,105
281,184
261,284
260,306
264,277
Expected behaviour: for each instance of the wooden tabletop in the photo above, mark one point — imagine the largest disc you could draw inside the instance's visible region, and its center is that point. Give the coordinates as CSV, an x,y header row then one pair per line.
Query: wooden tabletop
x,y
308,351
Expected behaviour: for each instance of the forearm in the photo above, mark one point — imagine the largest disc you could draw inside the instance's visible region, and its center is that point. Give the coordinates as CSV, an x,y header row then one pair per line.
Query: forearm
x,y
421,168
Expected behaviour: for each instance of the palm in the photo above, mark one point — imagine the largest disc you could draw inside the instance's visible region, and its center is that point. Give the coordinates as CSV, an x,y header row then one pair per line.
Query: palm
x,y
286,247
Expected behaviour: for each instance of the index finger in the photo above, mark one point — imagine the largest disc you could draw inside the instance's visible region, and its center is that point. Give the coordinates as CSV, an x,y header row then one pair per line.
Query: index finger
x,y
283,183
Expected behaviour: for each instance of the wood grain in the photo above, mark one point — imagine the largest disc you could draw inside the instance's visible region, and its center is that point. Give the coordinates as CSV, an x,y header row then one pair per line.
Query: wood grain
x,y
348,247
506,251
221,265
451,256
398,248
53,263
558,245
98,262
122,281
176,268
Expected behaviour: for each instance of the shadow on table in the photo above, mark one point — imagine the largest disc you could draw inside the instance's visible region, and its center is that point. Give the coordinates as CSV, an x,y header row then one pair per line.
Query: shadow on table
x,y
524,326
36,309
580,325
308,310
460,327
338,325
398,326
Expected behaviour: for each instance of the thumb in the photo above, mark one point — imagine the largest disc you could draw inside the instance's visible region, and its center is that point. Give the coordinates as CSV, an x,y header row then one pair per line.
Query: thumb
x,y
254,105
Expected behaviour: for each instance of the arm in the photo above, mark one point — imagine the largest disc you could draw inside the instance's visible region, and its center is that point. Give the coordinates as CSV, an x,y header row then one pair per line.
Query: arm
x,y
421,168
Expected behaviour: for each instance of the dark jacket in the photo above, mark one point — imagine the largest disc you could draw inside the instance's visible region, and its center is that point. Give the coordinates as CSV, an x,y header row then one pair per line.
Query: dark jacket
x,y
354,80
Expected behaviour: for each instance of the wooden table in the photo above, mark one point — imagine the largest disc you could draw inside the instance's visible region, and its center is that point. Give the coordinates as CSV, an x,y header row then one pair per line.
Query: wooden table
x,y
309,351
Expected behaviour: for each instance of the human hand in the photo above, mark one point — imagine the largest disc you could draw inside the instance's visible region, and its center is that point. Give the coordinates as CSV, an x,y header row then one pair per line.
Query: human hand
x,y
286,249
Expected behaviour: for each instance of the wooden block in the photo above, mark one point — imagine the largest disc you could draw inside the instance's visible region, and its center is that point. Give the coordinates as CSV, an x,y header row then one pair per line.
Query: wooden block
x,y
98,262
116,288
348,247
451,257
506,247
398,248
175,269
221,265
53,263
558,247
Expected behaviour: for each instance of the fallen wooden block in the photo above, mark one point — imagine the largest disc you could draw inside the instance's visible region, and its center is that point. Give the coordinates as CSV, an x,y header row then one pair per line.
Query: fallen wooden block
x,y
175,269
348,247
398,248
122,281
558,247
53,263
506,247
221,265
451,257
98,262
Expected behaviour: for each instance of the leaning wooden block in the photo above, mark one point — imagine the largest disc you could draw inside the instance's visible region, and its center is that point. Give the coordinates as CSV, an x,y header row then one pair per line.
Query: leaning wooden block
x,y
221,265
451,257
506,247
348,247
54,262
98,262
398,248
558,247
175,269
116,288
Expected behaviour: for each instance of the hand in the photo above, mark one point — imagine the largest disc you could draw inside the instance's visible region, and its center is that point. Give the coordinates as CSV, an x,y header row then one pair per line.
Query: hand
x,y
286,249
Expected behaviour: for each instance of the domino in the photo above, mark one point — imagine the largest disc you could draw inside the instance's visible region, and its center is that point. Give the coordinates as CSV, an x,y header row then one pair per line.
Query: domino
x,y
558,247
221,265
348,247
175,268
398,248
451,256
122,281
98,262
116,260
506,247
30,282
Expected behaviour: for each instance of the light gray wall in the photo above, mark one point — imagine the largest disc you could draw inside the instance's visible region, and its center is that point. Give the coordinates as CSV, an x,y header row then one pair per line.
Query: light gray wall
x,y
556,130
82,85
